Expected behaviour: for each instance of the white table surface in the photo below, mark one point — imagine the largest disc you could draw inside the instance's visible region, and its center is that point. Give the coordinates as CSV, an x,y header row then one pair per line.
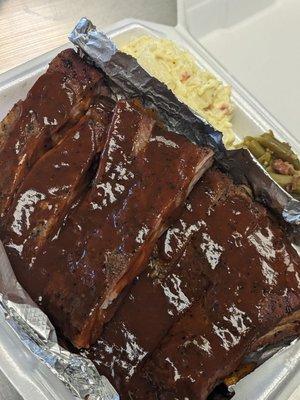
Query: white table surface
x,y
29,28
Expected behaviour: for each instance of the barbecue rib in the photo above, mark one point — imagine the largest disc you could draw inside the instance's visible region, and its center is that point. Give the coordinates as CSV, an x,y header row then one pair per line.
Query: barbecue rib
x,y
168,287
59,97
254,288
144,175
160,295
52,185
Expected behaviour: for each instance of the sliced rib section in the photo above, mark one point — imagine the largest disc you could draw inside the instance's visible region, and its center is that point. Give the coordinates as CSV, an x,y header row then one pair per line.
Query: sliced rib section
x,y
50,188
144,175
59,97
172,281
191,270
254,288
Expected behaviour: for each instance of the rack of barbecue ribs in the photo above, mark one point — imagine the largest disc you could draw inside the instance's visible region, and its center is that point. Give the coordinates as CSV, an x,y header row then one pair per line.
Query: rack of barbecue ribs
x,y
222,282
144,175
134,245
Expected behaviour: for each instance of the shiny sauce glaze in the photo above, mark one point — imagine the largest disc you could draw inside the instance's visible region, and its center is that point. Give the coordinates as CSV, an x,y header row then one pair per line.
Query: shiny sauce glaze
x,y
144,175
58,97
51,187
172,281
254,283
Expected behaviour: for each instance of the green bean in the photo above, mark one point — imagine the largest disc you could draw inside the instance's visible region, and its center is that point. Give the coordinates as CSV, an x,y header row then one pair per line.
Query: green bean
x,y
255,148
279,149
249,138
287,146
265,159
266,149
282,180
296,185
296,163
270,134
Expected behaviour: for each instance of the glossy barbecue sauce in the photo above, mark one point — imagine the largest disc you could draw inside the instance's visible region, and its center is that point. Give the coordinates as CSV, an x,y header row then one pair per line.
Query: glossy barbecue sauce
x,y
202,289
254,284
144,175
59,97
55,182
172,281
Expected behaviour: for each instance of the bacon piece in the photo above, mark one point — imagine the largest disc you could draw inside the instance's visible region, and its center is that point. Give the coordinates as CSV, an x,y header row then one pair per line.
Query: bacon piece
x,y
283,167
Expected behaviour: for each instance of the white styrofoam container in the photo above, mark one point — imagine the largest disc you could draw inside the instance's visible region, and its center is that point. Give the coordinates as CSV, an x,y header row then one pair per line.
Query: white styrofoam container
x,y
270,380
258,42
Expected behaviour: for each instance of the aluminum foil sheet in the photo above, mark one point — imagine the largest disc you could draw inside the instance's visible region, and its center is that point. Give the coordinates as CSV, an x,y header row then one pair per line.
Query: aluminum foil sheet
x,y
38,335
128,78
277,379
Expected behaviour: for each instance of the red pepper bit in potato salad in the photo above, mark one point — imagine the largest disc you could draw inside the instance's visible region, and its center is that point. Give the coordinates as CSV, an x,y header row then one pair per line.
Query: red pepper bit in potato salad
x,y
194,86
